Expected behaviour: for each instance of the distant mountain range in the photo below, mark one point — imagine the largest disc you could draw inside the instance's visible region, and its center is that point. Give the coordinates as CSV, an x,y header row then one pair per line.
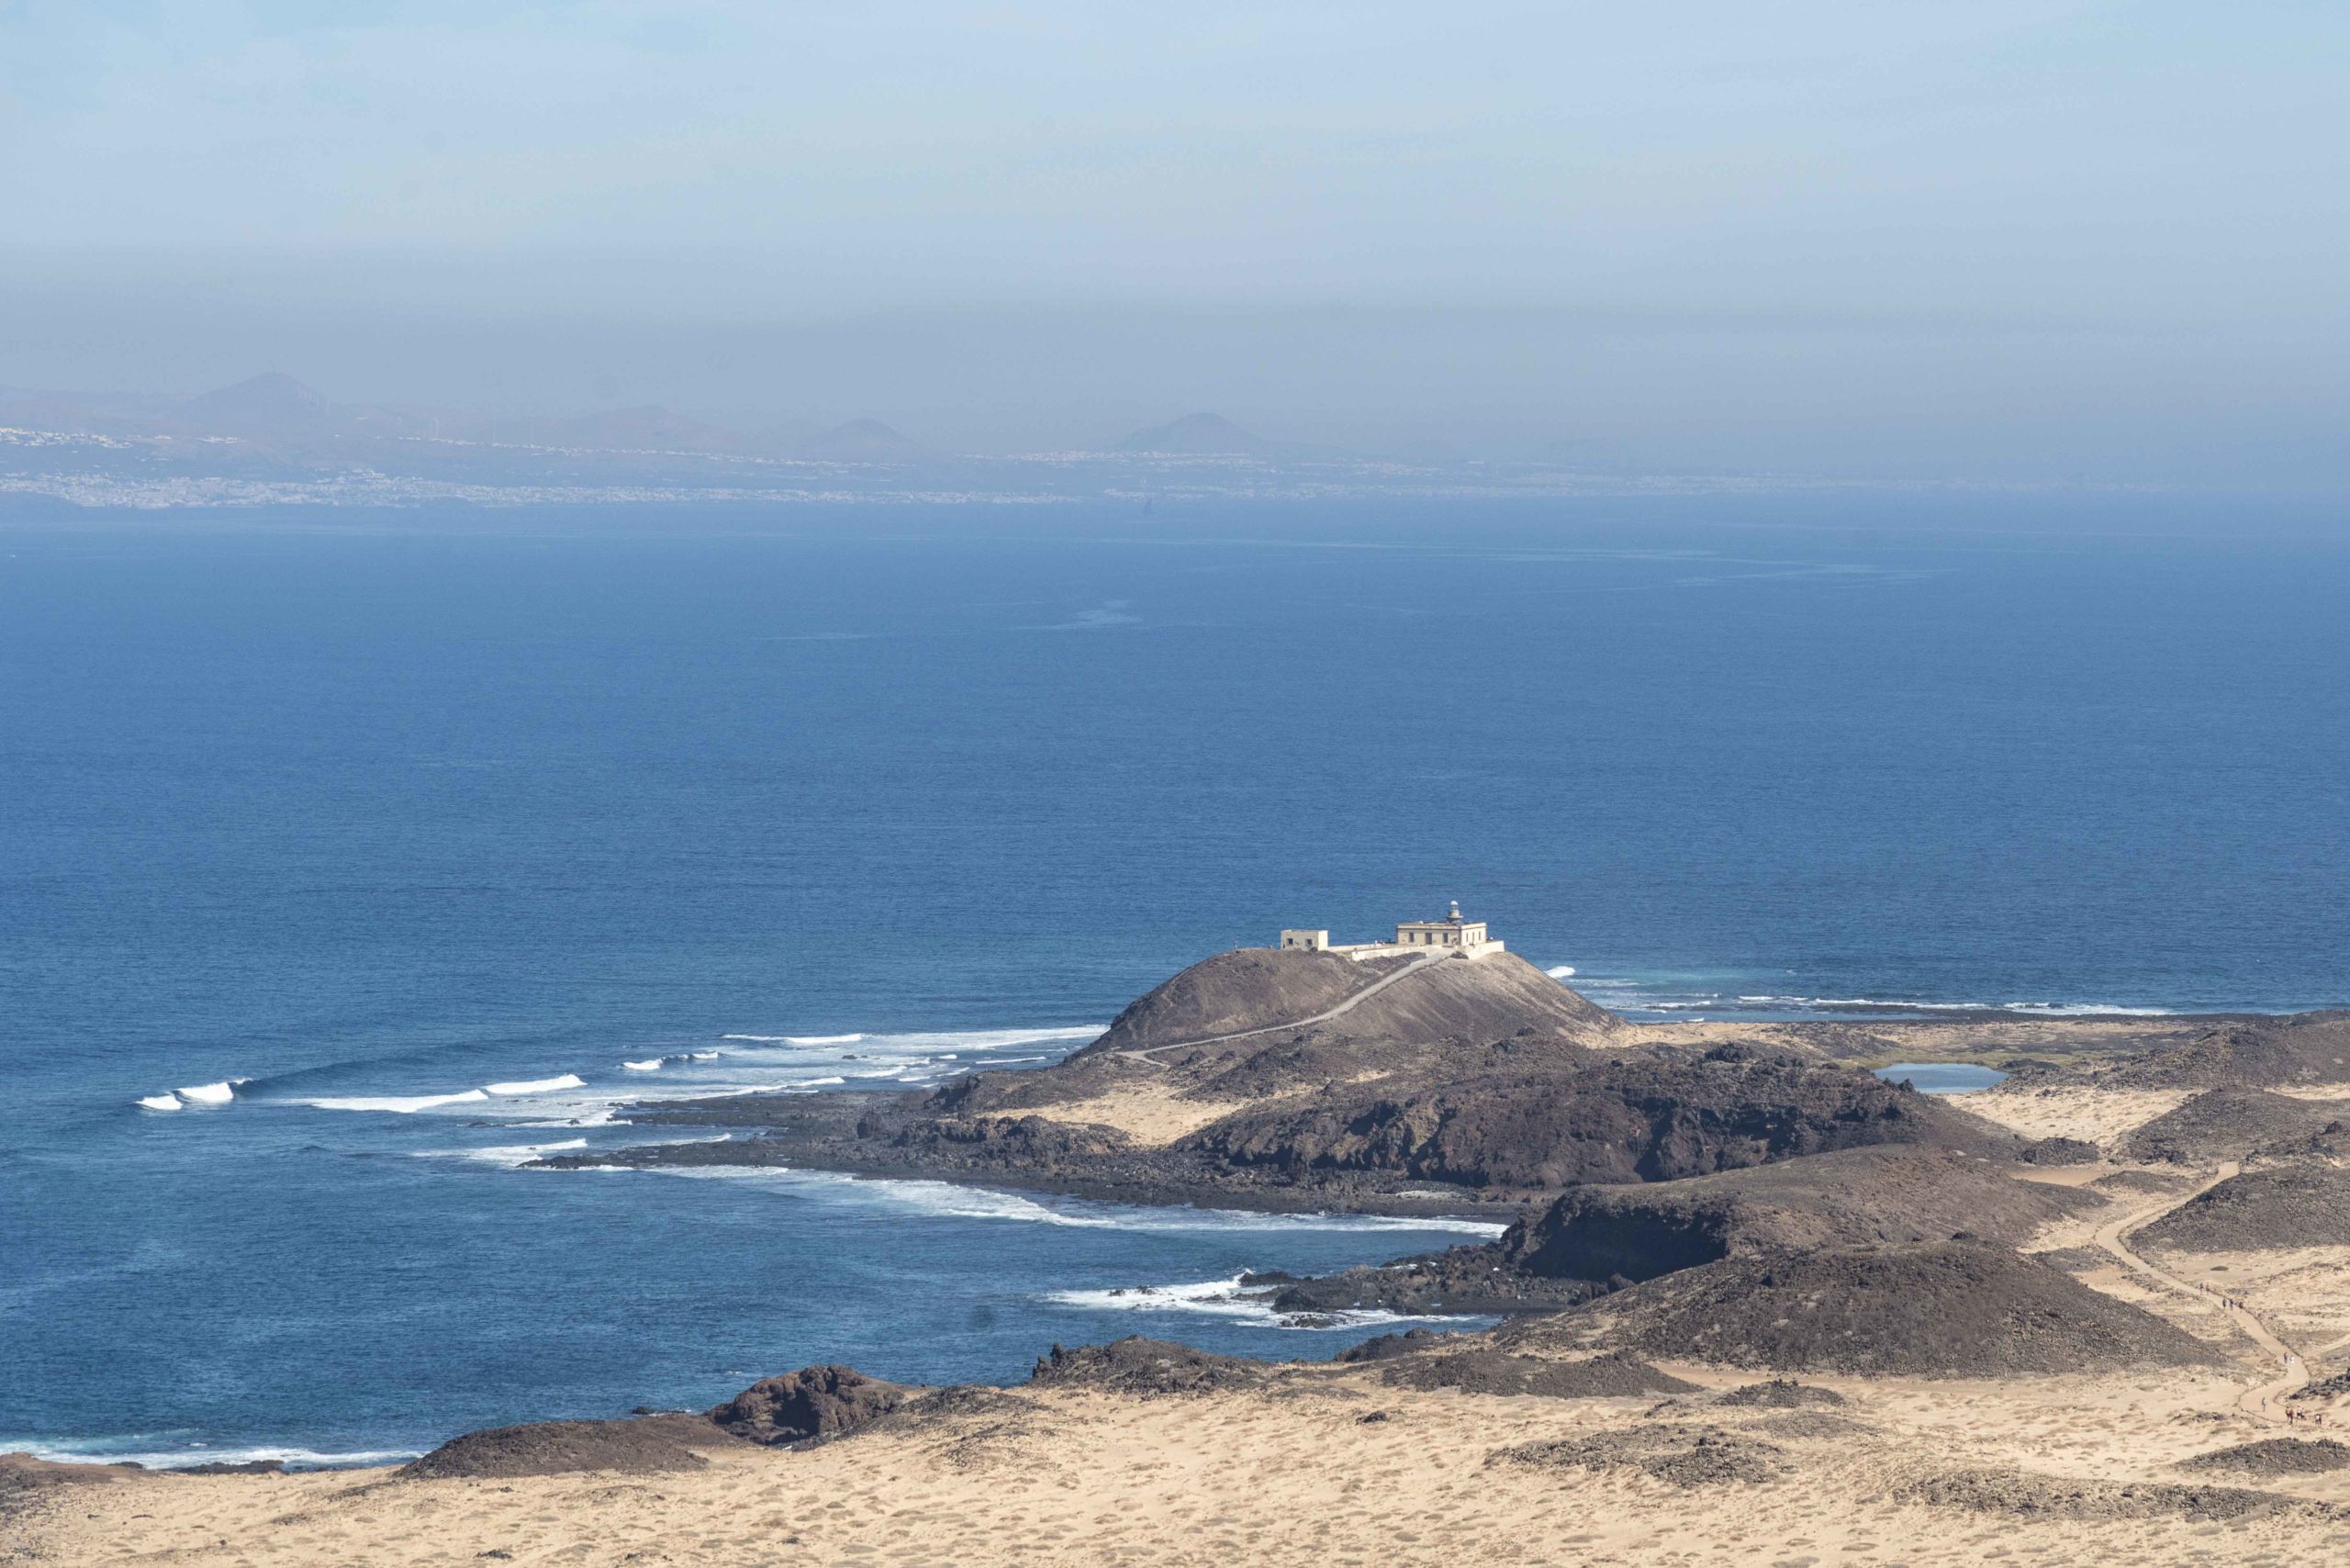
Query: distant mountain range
x,y
1198,435
275,414
272,423
275,411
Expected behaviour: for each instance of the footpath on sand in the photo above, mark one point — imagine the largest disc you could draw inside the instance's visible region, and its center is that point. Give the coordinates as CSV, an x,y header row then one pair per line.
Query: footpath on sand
x,y
2263,1400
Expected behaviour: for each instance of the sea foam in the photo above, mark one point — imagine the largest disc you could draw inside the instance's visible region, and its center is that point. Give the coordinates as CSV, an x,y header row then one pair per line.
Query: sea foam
x,y
209,1094
180,1458
397,1105
1226,1298
159,1102
510,1156
537,1085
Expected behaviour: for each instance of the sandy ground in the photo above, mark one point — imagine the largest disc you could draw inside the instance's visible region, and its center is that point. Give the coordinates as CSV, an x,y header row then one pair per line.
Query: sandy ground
x,y
1150,1113
1331,1467
1916,1040
1153,1113
2101,1116
1292,1474
2303,1293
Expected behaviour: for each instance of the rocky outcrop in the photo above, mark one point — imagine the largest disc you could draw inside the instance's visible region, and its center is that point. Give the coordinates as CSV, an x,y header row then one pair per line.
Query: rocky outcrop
x,y
814,1402
2301,1049
1956,1309
1026,1141
1145,1367
2276,1456
1888,1193
643,1445
1484,1370
1594,1239
2227,1124
1650,1115
2283,1206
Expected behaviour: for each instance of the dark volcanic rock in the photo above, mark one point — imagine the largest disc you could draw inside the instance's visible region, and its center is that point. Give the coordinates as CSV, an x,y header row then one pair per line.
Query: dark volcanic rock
x,y
2276,1456
2226,1124
641,1445
1025,1141
1387,1346
1952,1309
1463,1279
1885,1193
21,1475
1484,1370
222,1467
2283,1206
2061,1151
1596,1239
2324,1389
1679,1456
1779,1393
2300,1049
1645,1115
814,1402
1140,1366
2049,1496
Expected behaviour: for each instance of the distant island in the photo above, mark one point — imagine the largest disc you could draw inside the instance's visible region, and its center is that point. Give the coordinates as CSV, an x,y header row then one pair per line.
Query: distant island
x,y
272,441
1748,1289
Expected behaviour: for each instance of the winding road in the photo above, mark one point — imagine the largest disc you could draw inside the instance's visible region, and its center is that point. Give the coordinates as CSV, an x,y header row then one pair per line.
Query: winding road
x,y
2263,1400
1146,1053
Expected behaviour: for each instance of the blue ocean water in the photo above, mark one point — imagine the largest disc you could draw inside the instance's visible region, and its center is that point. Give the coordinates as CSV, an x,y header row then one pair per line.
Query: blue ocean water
x,y
377,815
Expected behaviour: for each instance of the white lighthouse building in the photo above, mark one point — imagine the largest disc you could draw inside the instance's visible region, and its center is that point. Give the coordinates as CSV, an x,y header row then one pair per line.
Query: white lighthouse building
x,y
1461,936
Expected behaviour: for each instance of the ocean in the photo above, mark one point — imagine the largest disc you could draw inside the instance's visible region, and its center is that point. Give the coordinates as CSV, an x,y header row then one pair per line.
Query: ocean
x,y
348,859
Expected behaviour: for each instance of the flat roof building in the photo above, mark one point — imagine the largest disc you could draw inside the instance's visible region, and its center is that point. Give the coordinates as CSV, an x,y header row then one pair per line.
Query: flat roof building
x,y
1465,938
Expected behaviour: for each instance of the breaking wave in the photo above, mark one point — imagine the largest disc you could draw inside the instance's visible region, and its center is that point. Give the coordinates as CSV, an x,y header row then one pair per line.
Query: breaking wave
x,y
180,1458
1226,1298
397,1105
511,1156
220,1093
537,1085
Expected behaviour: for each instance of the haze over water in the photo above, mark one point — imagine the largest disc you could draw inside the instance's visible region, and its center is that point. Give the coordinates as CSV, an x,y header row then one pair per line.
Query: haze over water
x,y
409,828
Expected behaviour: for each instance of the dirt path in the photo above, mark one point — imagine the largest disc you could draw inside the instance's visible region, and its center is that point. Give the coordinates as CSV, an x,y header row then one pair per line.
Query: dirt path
x,y
2263,1400
1348,1006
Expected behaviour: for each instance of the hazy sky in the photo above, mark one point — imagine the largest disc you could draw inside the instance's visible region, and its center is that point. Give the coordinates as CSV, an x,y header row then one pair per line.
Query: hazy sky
x,y
1984,238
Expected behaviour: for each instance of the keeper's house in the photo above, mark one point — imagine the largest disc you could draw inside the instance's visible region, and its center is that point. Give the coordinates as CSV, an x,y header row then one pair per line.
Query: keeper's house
x,y
1465,938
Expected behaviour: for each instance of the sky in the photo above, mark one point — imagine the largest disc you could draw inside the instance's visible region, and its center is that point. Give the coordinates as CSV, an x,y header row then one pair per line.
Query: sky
x,y
2062,240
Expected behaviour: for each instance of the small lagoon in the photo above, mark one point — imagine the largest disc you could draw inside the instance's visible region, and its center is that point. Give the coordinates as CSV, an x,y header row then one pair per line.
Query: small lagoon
x,y
1942,1076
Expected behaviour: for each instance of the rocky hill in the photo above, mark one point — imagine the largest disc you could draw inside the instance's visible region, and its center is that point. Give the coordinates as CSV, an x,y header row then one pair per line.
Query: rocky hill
x,y
2283,1206
1646,1115
2229,1124
1888,1193
1953,1309
1595,1238
2301,1050
1264,990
